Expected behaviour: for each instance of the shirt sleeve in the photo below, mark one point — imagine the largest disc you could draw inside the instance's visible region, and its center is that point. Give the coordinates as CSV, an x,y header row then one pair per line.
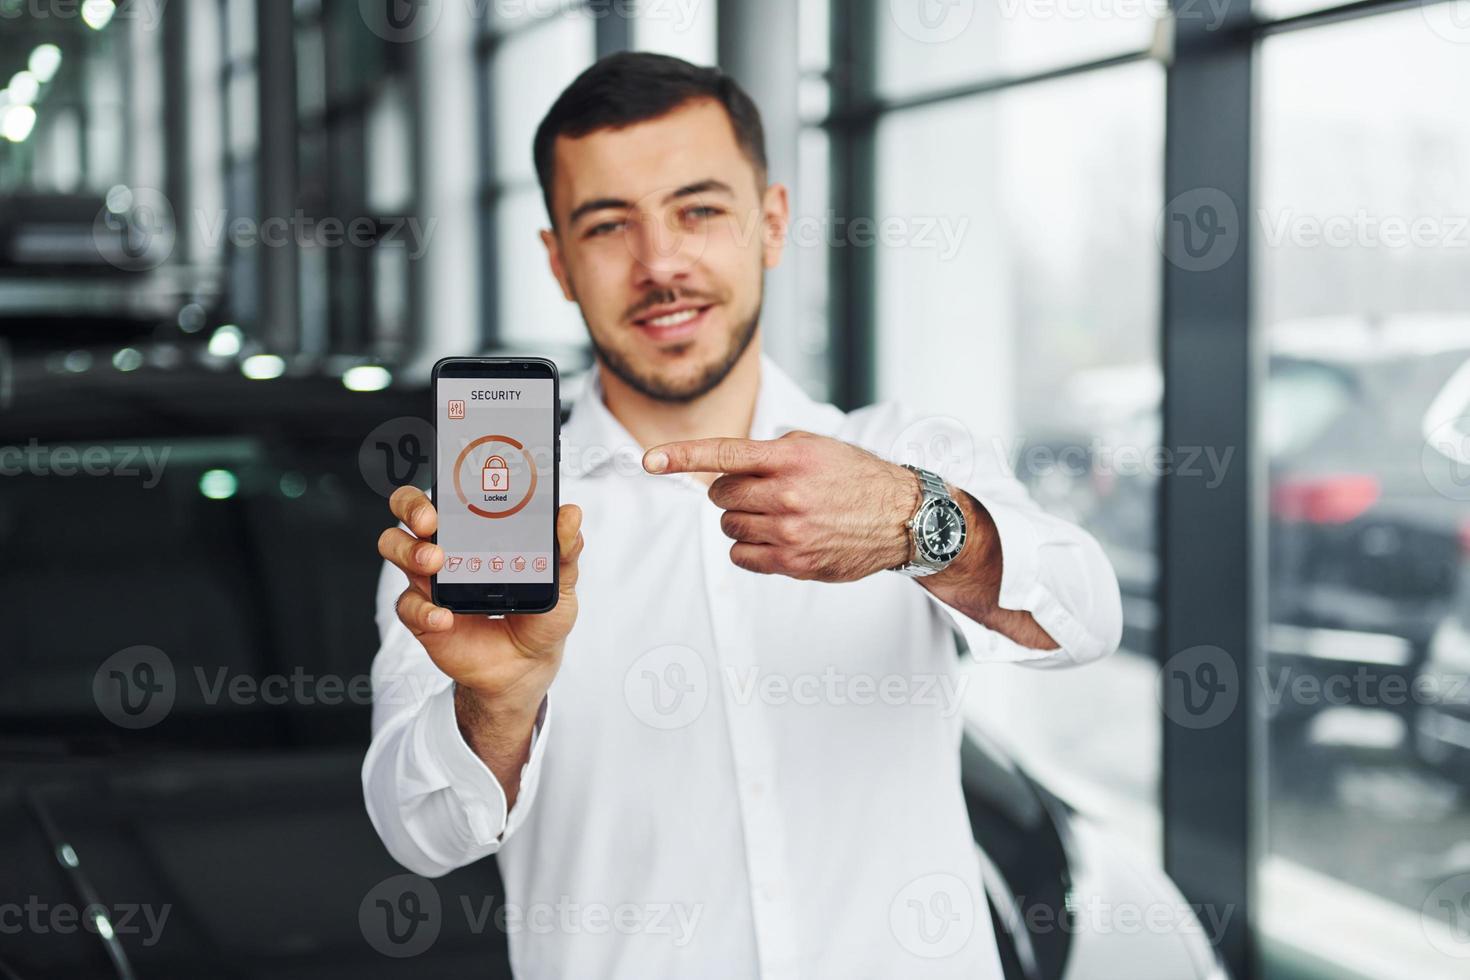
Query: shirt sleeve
x,y
1051,568
433,801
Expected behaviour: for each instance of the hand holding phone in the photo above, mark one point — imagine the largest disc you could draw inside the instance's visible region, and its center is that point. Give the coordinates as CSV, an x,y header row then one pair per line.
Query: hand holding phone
x,y
497,434
509,660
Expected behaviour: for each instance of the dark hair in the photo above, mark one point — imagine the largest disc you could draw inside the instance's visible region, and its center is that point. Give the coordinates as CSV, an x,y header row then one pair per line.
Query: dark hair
x,y
632,87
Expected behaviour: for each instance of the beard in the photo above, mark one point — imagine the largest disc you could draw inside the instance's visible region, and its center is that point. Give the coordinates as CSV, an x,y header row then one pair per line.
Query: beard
x,y
660,390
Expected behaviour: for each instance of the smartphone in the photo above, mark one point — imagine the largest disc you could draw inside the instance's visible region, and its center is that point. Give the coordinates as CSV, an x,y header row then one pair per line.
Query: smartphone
x,y
497,453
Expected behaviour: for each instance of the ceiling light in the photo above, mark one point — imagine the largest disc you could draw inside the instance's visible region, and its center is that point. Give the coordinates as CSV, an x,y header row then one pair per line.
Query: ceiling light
x,y
44,61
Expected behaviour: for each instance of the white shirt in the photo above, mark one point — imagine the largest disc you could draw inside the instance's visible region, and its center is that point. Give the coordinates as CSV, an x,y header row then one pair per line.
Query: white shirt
x,y
736,775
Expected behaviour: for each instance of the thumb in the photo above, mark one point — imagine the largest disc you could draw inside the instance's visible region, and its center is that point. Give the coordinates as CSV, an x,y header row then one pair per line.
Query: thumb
x,y
569,542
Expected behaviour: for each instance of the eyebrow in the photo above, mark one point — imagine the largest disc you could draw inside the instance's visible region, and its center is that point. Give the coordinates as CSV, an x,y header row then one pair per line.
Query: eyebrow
x,y
710,186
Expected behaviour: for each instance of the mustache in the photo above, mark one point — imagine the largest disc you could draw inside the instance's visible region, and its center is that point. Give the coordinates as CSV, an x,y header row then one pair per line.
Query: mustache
x,y
663,297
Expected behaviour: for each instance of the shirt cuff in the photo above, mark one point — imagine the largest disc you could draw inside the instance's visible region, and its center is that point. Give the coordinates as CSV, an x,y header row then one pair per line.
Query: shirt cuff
x,y
1020,549
1020,589
480,795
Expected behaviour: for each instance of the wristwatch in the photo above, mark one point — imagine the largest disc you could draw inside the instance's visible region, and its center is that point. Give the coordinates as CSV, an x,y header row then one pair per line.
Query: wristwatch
x,y
937,529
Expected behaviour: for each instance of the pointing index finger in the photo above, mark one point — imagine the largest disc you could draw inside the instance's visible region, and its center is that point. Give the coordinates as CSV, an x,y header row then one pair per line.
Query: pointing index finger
x,y
712,456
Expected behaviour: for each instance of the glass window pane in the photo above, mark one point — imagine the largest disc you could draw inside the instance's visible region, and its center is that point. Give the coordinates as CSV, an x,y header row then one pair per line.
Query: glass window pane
x,y
531,307
242,98
529,70
311,71
355,55
1364,307
807,252
205,153
927,44
244,263
1276,9
389,160
240,29
814,34
390,272
1016,241
683,30
511,15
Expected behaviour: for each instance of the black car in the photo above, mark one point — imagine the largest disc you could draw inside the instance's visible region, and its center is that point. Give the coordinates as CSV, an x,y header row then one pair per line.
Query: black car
x,y
1364,544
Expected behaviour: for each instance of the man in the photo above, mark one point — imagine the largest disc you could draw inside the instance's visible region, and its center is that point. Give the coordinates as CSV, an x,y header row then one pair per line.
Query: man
x,y
743,760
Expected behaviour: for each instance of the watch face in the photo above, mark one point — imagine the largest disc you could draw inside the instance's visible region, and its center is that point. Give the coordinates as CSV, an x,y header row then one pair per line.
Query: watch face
x,y
941,530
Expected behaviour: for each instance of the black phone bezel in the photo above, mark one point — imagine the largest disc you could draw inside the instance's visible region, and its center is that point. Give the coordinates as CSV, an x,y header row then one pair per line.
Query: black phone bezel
x,y
499,598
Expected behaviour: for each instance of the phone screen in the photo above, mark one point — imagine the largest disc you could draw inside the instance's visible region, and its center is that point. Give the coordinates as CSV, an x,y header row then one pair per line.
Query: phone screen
x,y
495,482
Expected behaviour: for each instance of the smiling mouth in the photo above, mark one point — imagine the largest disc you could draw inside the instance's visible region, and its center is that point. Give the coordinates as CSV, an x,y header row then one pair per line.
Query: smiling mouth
x,y
673,324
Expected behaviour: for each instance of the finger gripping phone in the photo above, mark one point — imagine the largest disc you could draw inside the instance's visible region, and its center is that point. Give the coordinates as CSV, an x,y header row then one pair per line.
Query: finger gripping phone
x,y
497,453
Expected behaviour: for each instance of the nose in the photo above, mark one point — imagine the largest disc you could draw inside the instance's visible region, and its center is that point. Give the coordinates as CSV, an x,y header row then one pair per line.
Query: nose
x,y
663,251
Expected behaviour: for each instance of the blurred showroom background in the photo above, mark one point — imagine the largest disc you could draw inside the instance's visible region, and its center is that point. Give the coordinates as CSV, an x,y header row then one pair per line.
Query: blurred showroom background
x,y
1213,262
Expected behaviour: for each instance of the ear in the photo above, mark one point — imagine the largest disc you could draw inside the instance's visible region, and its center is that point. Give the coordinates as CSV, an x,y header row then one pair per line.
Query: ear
x,y
557,262
775,221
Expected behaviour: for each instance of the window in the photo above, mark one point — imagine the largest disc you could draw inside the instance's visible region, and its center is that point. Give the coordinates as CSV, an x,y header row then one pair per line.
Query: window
x,y
67,136
240,87
1018,291
925,45
354,167
526,61
1362,301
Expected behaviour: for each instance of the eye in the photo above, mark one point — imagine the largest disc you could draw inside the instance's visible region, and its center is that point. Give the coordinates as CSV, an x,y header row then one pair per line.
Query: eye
x,y
700,212
603,228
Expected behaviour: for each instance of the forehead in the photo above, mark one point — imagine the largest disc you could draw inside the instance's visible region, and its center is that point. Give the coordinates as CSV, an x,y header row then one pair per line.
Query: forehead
x,y
693,142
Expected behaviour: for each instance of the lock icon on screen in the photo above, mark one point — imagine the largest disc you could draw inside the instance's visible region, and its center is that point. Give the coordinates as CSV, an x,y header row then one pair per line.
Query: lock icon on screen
x,y
495,477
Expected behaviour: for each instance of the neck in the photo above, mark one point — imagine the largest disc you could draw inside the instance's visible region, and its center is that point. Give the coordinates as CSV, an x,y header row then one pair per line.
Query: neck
x,y
726,410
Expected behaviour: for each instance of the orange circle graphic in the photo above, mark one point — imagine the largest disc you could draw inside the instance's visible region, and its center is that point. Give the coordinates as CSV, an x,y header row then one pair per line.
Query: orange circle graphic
x,y
459,463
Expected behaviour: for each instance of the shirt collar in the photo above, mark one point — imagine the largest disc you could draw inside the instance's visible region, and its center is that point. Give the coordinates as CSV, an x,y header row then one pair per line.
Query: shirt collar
x,y
593,440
